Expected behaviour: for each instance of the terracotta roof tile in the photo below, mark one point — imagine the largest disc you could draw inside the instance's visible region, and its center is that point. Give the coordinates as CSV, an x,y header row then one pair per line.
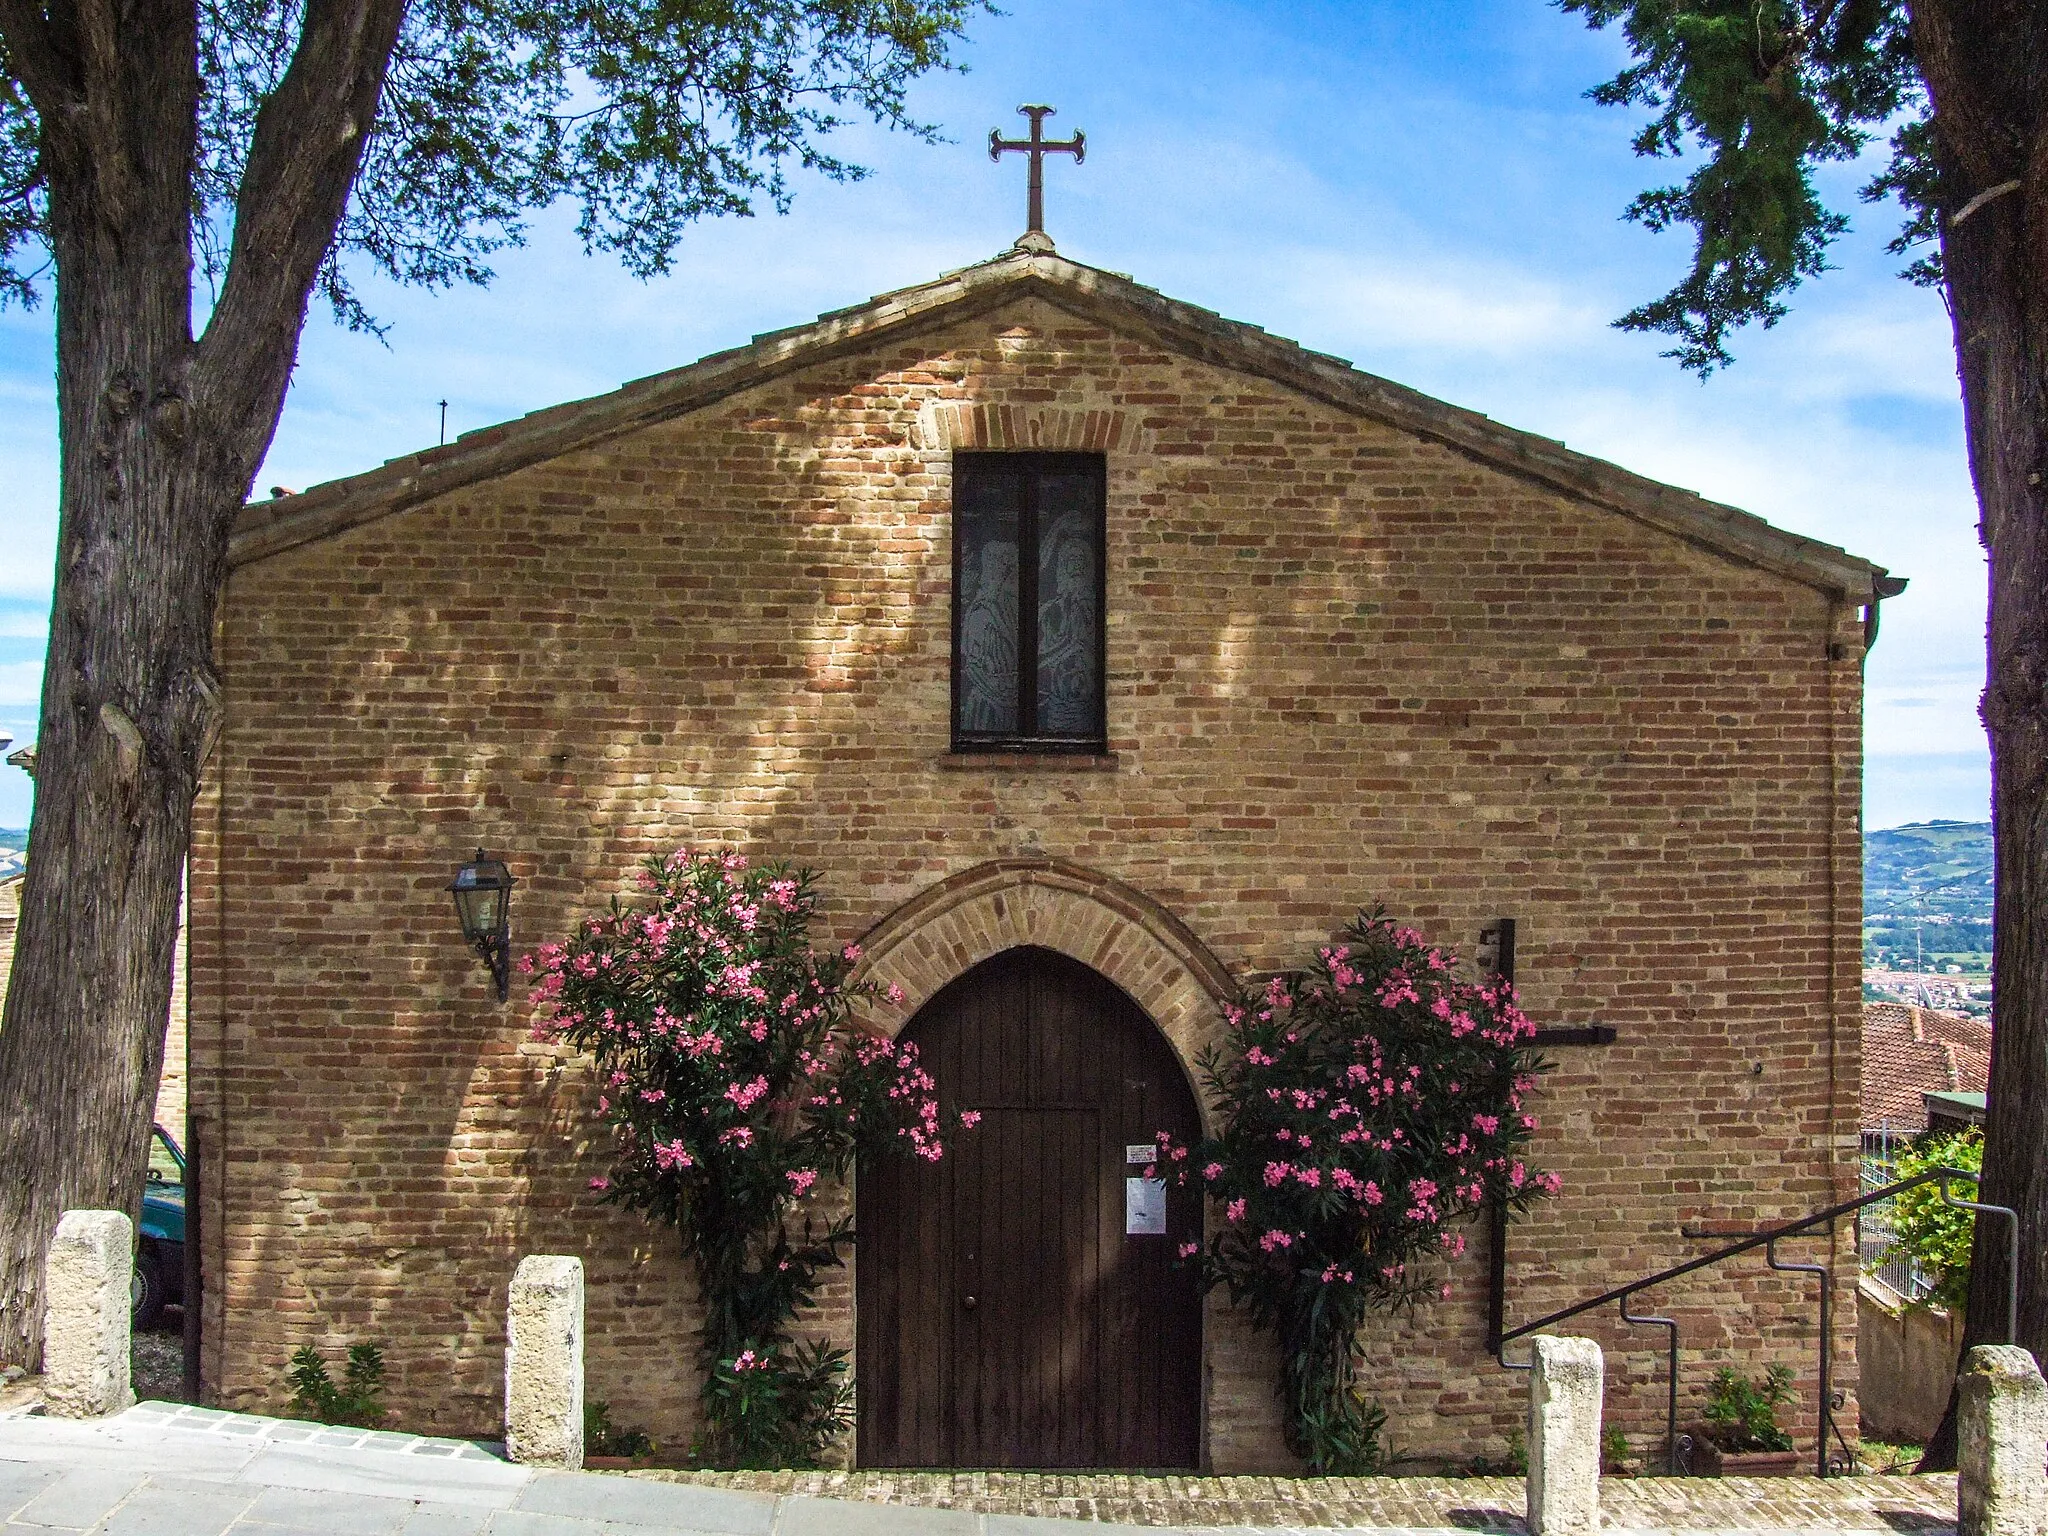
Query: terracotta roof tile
x,y
1909,1051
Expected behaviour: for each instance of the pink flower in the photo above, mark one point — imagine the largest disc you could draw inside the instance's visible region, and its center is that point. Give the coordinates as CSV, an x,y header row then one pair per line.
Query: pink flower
x,y
801,1179
1486,1124
1213,1172
1276,1173
745,1095
1550,1183
672,1156
1275,1239
600,1182
970,1118
1189,1250
1312,1177
1235,1210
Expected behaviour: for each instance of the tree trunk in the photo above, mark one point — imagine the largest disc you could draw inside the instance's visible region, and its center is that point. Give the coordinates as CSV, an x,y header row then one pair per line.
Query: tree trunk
x,y
161,437
1984,63
126,687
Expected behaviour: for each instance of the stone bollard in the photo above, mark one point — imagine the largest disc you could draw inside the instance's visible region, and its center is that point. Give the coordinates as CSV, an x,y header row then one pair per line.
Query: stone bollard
x,y
86,1282
544,1363
1564,1438
2001,1439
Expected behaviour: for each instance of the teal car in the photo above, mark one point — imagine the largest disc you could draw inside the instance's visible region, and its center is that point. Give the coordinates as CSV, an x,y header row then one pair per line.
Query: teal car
x,y
160,1256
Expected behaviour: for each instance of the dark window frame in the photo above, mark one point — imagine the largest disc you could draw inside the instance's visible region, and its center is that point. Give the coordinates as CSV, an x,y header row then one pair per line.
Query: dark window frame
x,y
1032,468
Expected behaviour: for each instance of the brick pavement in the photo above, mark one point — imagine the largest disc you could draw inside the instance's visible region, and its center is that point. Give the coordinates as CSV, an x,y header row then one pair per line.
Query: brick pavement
x,y
1889,1504
164,1470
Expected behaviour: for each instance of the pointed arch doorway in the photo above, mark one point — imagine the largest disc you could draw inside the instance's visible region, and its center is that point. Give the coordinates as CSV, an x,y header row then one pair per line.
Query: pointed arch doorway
x,y
1005,1316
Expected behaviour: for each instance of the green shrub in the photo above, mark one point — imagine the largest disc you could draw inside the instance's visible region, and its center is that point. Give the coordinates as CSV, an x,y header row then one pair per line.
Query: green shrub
x,y
358,1401
1615,1454
1930,1231
1370,1102
1742,1415
780,1407
734,1077
601,1437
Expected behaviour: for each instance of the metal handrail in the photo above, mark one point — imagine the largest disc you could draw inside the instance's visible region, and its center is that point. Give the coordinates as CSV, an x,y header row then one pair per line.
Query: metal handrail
x,y
1804,1226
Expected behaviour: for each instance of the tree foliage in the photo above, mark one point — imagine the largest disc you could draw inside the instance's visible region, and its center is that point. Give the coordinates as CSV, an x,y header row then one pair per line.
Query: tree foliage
x,y
1761,93
275,149
1933,1233
646,115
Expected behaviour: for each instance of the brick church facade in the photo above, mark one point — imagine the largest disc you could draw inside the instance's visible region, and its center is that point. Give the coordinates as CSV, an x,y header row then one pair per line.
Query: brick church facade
x,y
1350,645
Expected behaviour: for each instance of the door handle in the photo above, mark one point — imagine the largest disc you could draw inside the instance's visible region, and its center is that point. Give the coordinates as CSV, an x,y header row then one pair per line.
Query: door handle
x,y
969,1302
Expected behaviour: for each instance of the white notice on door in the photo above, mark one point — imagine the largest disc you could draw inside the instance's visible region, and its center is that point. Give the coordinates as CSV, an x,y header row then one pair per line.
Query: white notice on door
x,y
1144,1207
1140,1152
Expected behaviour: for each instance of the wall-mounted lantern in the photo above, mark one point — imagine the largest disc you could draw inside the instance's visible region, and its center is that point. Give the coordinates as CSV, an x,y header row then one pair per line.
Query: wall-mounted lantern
x,y
482,890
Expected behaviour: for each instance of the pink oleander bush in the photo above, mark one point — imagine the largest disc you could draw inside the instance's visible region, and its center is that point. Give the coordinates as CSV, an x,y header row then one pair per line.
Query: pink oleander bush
x,y
1371,1103
734,1078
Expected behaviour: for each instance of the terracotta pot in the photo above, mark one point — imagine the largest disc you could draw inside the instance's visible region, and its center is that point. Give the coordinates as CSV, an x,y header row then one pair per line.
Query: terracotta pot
x,y
1716,1462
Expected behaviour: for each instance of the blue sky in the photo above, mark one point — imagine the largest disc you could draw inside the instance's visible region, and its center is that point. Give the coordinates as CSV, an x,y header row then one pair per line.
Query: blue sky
x,y
1420,187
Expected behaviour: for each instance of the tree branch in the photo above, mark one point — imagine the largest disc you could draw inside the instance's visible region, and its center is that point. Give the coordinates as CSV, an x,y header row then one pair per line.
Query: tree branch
x,y
38,61
303,158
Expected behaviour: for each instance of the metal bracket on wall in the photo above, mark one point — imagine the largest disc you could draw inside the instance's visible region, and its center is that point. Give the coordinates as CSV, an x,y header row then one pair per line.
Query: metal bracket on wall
x,y
1495,954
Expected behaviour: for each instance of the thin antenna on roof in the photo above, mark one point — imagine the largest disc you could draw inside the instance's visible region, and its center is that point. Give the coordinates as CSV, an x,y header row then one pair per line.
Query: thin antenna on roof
x,y
444,423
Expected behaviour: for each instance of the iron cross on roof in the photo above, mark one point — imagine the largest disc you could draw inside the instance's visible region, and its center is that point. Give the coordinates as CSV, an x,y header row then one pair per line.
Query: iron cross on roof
x,y
1037,147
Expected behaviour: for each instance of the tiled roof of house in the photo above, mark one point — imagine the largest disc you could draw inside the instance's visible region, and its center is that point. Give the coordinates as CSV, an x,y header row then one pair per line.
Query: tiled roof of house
x,y
1909,1051
1110,298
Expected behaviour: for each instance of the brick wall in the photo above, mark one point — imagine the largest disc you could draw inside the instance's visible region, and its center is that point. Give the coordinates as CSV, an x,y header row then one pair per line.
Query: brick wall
x,y
1345,666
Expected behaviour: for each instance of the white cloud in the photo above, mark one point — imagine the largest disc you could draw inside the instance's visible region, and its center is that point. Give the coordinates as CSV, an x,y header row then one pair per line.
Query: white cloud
x,y
1494,310
24,620
21,684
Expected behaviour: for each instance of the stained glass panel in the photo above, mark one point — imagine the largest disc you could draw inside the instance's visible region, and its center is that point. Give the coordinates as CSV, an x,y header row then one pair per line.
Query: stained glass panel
x,y
1069,620
988,512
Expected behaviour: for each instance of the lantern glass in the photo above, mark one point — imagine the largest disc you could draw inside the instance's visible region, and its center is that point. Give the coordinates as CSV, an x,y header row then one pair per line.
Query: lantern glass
x,y
479,908
482,889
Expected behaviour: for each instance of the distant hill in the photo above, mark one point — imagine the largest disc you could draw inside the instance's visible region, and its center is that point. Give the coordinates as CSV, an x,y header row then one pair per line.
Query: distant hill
x,y
1927,895
14,841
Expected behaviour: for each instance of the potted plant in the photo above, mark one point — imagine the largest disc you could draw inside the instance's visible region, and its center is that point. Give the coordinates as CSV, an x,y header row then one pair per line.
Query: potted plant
x,y
609,1446
1743,1437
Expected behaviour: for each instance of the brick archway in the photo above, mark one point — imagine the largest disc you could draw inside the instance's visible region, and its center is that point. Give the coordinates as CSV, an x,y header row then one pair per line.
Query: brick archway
x,y
1105,924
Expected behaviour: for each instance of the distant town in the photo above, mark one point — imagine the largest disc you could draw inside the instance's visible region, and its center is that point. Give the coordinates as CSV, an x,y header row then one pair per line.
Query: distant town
x,y
1927,916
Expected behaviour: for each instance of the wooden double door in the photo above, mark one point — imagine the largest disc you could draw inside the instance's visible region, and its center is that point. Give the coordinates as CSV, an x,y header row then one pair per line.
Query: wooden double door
x,y
1006,1316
